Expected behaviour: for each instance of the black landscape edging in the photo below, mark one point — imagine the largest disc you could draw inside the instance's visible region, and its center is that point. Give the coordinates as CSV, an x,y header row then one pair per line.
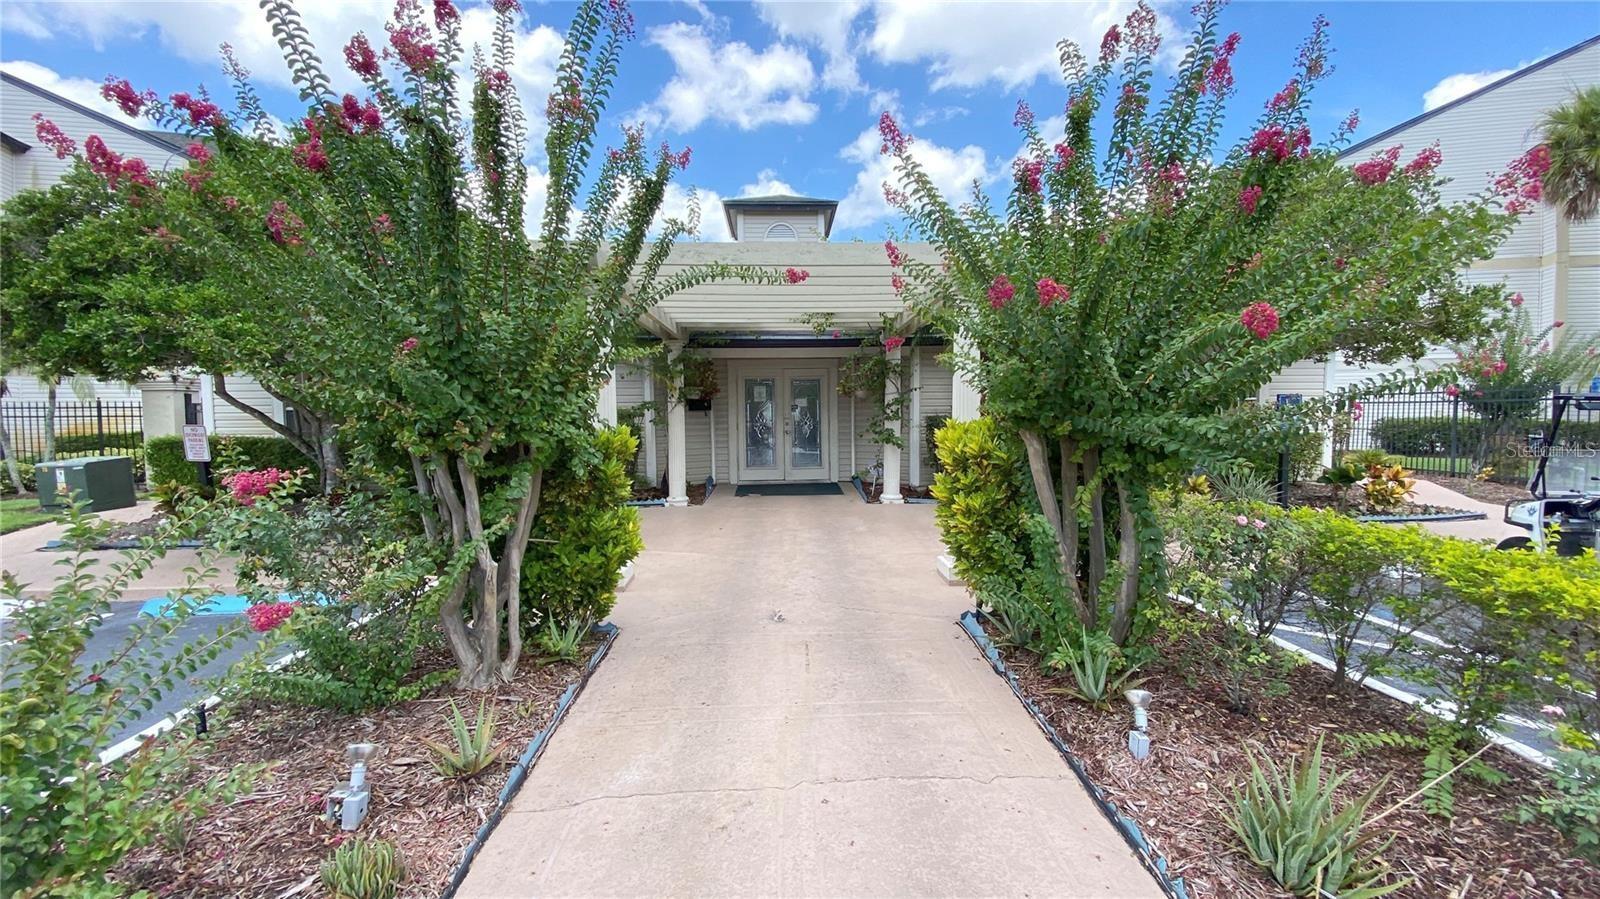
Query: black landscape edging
x,y
860,490
529,757
1153,861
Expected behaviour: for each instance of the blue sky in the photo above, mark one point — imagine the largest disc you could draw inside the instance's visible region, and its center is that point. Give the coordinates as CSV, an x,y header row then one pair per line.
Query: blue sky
x,y
778,96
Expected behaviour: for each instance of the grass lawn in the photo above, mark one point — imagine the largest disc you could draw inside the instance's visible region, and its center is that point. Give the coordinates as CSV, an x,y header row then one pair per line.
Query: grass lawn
x,y
17,513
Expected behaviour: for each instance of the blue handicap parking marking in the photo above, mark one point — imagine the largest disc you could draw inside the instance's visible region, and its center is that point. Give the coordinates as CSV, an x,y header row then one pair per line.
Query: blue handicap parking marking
x,y
220,604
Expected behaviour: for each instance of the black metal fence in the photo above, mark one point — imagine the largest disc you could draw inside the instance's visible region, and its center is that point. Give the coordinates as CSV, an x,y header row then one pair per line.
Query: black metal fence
x,y
99,428
1458,434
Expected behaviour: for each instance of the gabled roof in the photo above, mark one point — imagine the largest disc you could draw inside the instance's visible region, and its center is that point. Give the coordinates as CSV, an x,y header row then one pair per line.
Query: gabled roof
x,y
165,141
1467,98
781,203
12,144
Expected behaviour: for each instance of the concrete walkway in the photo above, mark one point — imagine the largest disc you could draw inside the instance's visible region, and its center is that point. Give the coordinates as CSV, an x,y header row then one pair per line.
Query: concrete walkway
x,y
790,710
1493,527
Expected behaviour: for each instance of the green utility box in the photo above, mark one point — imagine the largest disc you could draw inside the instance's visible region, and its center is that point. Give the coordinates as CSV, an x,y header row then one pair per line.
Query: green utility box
x,y
102,482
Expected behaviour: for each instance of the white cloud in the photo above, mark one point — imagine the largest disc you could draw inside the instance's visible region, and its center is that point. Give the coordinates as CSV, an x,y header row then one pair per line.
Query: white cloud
x,y
79,90
965,45
953,171
828,26
194,29
1453,87
730,82
766,184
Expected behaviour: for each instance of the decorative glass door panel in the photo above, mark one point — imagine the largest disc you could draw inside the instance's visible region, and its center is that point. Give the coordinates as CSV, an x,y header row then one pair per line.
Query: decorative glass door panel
x,y
805,428
760,435
783,426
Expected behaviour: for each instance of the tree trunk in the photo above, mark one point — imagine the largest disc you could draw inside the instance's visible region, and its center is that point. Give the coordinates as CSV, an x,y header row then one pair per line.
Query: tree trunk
x,y
1128,558
1069,525
49,454
1044,487
493,586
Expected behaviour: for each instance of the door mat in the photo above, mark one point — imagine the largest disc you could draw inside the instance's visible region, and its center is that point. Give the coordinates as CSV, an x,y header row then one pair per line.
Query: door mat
x,y
788,490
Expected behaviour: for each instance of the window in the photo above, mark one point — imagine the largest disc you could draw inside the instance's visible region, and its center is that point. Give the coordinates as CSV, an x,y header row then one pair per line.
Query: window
x,y
781,231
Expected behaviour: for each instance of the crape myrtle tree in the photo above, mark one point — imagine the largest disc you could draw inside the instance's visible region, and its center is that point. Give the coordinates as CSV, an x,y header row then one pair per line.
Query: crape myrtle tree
x,y
1123,303
391,232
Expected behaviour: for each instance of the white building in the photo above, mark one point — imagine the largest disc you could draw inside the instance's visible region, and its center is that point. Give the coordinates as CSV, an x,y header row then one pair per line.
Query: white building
x,y
1552,262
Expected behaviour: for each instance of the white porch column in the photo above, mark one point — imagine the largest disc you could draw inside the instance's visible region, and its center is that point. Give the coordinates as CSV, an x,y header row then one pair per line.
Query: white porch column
x,y
964,397
914,430
606,409
677,448
891,453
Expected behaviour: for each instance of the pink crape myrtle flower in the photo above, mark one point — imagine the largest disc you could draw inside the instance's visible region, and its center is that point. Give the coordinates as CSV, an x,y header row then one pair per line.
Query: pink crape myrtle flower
x,y
1516,300
893,343
1110,44
1259,319
1249,198
268,616
130,101
1357,410
1000,291
1452,391
1377,169
894,140
1028,174
249,486
1051,292
1426,161
360,57
410,44
1241,520
444,13
1258,524
51,135
1064,156
896,258
897,282
795,275
1285,98
407,345
202,112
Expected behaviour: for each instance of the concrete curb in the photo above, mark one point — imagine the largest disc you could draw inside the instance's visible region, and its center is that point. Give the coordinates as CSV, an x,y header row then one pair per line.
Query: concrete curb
x,y
526,761
63,545
1443,516
1153,861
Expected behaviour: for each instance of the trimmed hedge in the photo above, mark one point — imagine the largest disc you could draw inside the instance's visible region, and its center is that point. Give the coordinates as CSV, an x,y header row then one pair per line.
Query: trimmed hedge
x,y
164,462
88,443
1430,436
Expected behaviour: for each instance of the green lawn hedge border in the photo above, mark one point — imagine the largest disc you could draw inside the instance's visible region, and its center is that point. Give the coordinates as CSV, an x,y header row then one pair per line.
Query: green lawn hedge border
x,y
164,462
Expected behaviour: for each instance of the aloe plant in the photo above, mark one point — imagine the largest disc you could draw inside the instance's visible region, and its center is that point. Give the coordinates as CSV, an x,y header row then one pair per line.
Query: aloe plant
x,y
562,644
364,869
1090,663
474,748
1289,824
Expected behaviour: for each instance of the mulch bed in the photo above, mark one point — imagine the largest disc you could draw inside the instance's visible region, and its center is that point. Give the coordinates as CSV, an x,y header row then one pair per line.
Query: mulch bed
x,y
1179,793
906,490
696,492
138,530
1320,496
1487,491
271,841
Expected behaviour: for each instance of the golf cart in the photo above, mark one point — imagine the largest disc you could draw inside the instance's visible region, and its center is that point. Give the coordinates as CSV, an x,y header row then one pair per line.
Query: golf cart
x,y
1565,487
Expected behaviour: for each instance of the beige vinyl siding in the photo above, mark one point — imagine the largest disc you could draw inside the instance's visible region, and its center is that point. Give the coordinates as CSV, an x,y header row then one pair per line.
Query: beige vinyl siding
x,y
232,421
849,282
933,402
1304,377
39,167
22,387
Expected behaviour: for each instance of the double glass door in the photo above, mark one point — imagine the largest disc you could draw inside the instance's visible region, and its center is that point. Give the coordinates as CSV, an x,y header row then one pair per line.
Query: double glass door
x,y
783,417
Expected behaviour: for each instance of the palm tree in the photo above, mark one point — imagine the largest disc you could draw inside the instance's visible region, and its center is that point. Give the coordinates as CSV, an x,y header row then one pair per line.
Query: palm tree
x,y
1572,132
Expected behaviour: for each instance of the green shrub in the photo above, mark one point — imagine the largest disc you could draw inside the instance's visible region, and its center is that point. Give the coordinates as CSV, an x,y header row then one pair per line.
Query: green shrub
x,y
1288,822
164,462
68,444
583,534
359,574
1573,805
30,482
68,818
364,869
981,512
1431,435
